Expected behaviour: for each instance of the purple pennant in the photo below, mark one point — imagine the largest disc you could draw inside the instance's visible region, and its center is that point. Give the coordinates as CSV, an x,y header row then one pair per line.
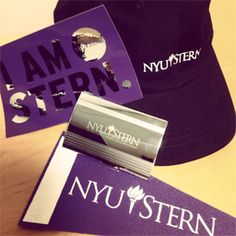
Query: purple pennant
x,y
43,73
80,194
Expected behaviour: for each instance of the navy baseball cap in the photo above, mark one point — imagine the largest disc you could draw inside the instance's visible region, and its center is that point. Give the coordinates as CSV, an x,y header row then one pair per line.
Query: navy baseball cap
x,y
170,46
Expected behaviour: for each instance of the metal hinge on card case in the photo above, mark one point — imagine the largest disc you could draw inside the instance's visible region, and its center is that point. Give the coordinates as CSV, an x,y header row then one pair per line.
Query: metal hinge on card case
x,y
116,134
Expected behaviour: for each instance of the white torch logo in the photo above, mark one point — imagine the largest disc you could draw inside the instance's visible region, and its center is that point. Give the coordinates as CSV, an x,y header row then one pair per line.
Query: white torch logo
x,y
134,194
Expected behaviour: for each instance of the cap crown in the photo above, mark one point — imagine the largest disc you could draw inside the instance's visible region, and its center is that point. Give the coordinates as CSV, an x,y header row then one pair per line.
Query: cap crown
x,y
166,40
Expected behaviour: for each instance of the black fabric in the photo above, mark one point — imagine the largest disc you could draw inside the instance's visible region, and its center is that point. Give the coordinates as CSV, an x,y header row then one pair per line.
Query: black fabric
x,y
192,94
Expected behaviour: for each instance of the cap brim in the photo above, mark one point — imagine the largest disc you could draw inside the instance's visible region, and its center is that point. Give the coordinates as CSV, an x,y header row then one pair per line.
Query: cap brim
x,y
200,115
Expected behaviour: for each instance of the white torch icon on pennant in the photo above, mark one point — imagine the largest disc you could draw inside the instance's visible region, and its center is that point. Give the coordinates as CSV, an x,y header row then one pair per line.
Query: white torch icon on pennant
x,y
135,194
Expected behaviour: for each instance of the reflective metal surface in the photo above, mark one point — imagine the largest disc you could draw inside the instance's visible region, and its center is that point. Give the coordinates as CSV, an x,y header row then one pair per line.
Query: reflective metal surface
x,y
111,132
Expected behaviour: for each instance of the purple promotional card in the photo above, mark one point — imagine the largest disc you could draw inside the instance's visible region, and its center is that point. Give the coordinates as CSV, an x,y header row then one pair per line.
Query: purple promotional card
x,y
43,74
80,194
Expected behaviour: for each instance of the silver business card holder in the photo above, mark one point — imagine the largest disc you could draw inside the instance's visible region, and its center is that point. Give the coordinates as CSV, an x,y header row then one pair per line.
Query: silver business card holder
x,y
121,136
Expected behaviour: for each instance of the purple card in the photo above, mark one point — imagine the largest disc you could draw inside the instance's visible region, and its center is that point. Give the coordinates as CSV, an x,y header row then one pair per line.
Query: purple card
x,y
43,74
81,194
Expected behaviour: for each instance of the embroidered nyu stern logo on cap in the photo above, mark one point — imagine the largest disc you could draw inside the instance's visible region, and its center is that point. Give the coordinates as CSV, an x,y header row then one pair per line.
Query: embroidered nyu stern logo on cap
x,y
173,59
